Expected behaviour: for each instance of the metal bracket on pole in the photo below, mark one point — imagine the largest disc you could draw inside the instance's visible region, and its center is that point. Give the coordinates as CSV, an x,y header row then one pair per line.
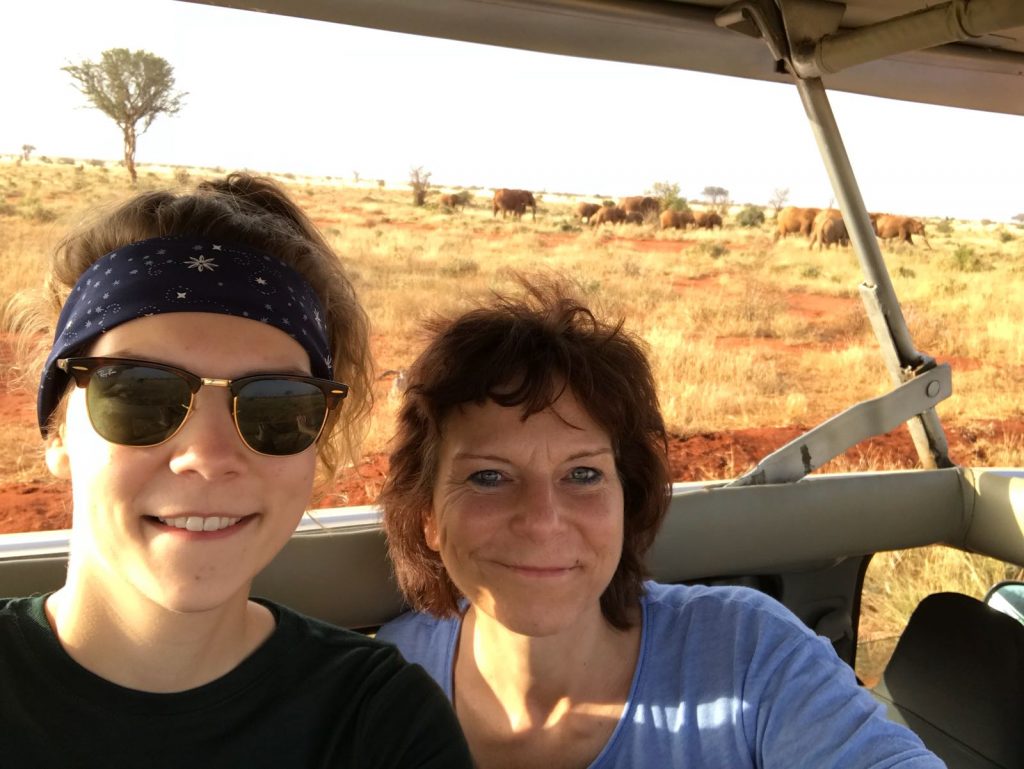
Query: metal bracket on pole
x,y
901,357
848,428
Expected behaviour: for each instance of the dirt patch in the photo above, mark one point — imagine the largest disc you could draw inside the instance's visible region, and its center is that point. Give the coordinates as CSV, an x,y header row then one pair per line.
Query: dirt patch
x,y
820,305
39,506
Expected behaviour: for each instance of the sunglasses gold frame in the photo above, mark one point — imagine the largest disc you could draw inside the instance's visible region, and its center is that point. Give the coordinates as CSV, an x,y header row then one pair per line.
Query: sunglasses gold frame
x,y
82,369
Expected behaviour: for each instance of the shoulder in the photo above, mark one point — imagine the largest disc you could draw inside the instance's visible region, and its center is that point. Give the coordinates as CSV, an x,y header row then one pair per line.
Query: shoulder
x,y
695,609
415,628
426,640
315,643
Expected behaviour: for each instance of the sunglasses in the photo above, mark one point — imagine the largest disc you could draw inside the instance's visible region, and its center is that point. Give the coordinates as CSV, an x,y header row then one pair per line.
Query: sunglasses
x,y
138,403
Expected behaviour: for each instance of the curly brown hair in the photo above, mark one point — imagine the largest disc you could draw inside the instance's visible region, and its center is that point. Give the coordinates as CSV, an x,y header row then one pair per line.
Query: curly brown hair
x,y
526,353
245,209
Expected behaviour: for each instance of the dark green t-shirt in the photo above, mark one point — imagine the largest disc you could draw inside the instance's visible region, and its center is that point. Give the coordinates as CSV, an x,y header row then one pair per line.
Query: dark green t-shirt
x,y
312,695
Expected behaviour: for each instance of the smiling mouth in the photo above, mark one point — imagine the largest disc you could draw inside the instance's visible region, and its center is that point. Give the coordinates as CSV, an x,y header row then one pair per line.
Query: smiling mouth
x,y
540,571
200,523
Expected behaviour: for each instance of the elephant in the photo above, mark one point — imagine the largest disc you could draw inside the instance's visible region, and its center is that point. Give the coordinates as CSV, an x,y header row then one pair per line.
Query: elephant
x,y
642,204
515,202
586,210
829,229
634,217
793,219
708,220
454,201
679,220
608,215
888,227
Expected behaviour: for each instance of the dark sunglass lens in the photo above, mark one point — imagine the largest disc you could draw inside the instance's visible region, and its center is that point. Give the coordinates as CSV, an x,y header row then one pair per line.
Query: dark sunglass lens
x,y
280,416
136,405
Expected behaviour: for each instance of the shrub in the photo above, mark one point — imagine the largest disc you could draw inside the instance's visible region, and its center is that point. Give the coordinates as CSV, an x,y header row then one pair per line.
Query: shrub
x,y
964,259
812,271
668,194
96,163
182,176
944,227
750,216
1005,236
714,250
66,161
906,272
39,213
460,267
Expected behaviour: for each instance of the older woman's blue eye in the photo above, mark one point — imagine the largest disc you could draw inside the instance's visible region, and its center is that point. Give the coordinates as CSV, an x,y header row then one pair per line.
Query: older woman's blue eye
x,y
485,478
585,475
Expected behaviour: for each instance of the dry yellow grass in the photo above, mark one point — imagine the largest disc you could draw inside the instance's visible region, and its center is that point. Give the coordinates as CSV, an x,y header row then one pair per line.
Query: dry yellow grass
x,y
686,293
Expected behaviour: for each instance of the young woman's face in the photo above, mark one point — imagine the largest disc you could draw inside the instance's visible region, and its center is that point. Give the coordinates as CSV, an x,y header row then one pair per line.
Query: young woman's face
x,y
130,502
528,516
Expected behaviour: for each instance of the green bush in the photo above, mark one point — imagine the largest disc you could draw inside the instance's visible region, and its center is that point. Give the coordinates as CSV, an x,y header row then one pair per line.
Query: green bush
x,y
668,193
750,216
812,271
714,250
964,259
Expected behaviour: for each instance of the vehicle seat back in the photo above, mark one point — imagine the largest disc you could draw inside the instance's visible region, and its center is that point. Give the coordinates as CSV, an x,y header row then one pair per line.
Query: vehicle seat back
x,y
957,679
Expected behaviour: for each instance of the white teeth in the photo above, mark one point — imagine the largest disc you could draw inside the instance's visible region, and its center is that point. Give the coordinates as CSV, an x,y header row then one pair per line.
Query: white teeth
x,y
199,523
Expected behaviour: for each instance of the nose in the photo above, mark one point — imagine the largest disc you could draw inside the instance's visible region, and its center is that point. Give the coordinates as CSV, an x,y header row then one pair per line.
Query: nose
x,y
208,445
540,514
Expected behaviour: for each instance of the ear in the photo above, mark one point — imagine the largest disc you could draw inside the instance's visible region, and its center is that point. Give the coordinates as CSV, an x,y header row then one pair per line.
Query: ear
x,y
430,532
57,460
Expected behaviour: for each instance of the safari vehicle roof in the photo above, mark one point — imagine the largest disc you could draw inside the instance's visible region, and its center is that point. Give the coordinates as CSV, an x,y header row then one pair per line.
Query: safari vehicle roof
x,y
939,53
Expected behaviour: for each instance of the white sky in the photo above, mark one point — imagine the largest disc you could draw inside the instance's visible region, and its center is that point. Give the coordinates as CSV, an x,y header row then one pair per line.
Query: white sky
x,y
271,93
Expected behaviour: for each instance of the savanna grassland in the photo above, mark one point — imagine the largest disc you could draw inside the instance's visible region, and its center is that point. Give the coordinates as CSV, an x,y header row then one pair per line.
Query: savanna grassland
x,y
752,341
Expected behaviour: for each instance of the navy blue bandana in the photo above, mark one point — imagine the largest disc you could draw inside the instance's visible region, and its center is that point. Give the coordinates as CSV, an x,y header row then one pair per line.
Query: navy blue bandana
x,y
183,274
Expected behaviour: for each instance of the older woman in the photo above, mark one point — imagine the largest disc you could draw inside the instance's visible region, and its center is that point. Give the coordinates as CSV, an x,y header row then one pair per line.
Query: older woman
x,y
528,480
203,346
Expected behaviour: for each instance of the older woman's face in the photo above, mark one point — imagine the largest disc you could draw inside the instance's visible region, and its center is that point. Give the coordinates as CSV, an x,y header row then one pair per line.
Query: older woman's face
x,y
528,516
136,509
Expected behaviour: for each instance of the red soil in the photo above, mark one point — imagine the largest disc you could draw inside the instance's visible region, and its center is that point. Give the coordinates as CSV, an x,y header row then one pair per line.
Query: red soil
x,y
39,506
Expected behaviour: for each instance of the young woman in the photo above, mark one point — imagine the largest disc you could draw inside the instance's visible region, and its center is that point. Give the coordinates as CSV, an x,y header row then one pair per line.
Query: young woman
x,y
209,353
528,480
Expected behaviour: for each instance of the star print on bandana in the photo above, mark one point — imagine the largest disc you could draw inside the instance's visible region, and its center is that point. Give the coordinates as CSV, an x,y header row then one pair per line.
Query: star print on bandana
x,y
200,263
180,275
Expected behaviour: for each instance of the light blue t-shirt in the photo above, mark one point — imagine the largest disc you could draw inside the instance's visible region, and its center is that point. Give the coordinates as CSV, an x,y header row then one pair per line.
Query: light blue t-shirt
x,y
727,677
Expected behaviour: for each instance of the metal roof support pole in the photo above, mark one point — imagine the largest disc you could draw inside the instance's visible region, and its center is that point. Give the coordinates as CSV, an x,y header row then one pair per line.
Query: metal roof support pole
x,y
901,358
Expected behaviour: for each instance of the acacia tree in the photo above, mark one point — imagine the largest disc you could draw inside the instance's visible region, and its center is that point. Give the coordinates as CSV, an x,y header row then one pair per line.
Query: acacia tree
x,y
718,197
778,199
131,88
26,150
419,180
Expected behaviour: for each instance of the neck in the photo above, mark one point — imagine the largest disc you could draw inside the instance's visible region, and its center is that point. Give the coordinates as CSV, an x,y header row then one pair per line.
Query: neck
x,y
538,681
133,642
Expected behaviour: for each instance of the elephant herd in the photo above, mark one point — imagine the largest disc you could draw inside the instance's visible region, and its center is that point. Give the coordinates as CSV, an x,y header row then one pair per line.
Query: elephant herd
x,y
637,209
822,227
825,227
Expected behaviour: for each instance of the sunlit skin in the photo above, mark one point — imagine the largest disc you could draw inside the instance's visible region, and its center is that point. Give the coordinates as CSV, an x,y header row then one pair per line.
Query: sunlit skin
x,y
528,519
146,604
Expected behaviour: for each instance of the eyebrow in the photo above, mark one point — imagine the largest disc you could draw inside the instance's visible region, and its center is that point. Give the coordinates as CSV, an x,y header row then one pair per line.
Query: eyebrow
x,y
498,458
